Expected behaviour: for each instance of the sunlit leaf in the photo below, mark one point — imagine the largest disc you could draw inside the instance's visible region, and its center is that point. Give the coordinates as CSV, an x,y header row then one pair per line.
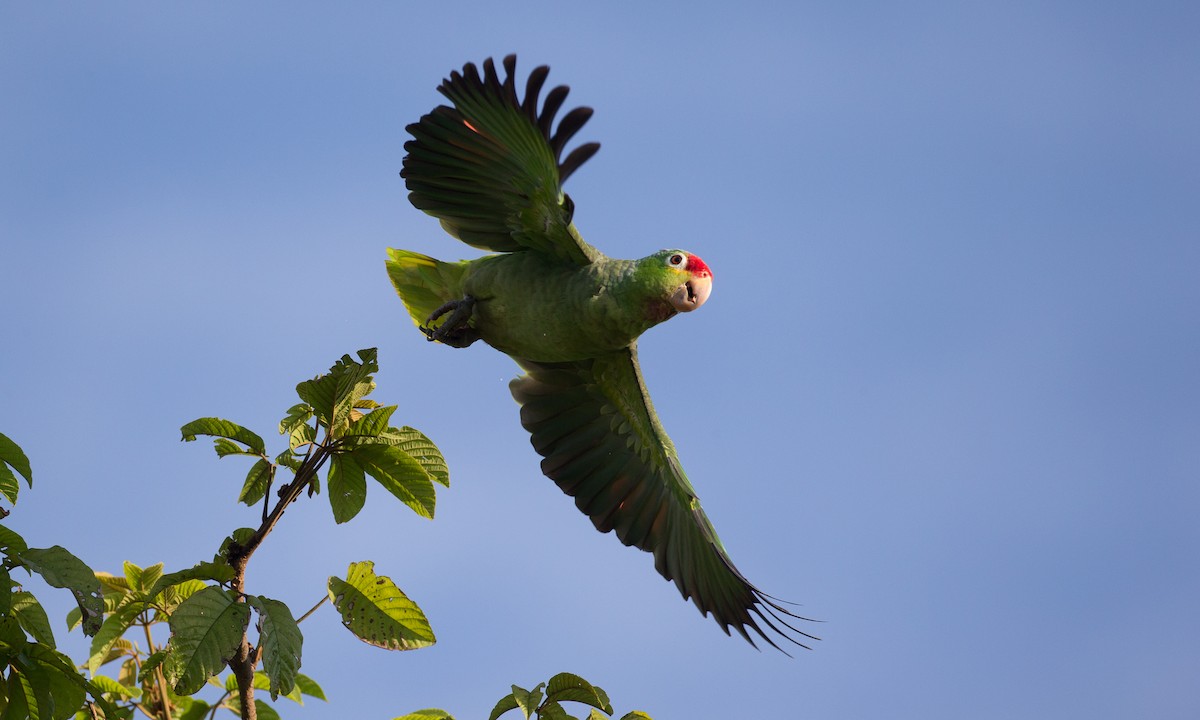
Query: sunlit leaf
x,y
10,487
301,435
217,572
309,687
506,703
347,487
225,447
371,424
551,710
113,628
400,474
31,616
298,414
220,428
528,700
377,611
61,569
333,394
567,687
11,454
636,715
195,709
422,449
206,630
112,583
109,685
426,714
256,483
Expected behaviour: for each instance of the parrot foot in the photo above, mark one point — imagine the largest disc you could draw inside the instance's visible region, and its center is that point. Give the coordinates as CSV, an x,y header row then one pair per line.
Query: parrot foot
x,y
456,330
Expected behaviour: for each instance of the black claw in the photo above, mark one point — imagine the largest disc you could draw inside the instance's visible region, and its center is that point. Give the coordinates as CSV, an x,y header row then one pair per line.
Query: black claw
x,y
456,331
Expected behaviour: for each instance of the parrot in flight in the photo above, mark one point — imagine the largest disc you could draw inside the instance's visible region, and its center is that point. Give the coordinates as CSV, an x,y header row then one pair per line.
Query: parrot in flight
x,y
491,169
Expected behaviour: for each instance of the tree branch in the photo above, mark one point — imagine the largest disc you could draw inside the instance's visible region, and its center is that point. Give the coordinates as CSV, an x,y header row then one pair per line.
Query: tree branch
x,y
246,658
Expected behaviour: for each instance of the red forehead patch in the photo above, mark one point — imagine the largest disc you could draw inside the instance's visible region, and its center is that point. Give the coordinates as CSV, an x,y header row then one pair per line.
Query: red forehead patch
x,y
697,266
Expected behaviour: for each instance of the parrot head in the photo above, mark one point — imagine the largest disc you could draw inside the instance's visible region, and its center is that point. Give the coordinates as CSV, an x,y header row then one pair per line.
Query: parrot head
x,y
689,280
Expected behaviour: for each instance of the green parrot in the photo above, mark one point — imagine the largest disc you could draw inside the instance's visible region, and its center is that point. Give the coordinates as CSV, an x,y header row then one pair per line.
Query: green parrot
x,y
490,168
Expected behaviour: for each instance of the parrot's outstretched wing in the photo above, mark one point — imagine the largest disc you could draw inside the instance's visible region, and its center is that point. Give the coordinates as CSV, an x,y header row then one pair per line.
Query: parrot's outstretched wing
x,y
489,168
594,424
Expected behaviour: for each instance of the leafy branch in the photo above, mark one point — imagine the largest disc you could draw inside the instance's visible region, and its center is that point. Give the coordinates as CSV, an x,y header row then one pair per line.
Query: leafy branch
x,y
207,609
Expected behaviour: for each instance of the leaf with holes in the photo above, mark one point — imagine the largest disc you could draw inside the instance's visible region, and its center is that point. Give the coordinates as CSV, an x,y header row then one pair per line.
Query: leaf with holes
x,y
61,569
377,611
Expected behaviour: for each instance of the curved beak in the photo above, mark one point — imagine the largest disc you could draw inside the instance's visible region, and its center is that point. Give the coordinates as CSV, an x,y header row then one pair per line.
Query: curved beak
x,y
693,293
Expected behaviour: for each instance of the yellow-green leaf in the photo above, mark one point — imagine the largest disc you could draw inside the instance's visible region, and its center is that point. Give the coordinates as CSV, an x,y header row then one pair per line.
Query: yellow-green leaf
x,y
377,611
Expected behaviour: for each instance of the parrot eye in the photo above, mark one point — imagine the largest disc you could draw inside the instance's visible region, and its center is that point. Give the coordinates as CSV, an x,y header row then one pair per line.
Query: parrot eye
x,y
677,260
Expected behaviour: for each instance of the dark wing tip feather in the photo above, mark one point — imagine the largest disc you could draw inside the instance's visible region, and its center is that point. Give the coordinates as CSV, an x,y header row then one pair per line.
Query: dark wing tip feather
x,y
470,82
570,427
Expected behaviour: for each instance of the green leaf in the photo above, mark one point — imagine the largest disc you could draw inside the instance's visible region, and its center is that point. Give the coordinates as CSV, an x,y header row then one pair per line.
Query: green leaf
x,y
112,583
347,487
595,714
333,395
223,429
113,628
302,435
422,449
61,569
133,575
426,714
108,685
32,617
636,715
506,703
372,424
264,711
281,640
297,415
377,611
309,687
551,710
528,700
257,481
150,577
11,542
48,687
6,598
225,447
240,537
290,460
152,662
196,709
10,487
206,630
261,682
217,572
11,454
567,687
399,474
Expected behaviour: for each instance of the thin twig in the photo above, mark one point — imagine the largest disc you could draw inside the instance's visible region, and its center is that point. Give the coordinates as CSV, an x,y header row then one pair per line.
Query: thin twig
x,y
313,610
160,680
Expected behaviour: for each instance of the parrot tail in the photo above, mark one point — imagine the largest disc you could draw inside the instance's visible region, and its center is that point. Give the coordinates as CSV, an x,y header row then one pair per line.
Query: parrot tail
x,y
424,284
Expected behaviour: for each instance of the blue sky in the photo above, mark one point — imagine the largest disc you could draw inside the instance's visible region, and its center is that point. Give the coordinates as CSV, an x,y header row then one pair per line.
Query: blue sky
x,y
944,394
